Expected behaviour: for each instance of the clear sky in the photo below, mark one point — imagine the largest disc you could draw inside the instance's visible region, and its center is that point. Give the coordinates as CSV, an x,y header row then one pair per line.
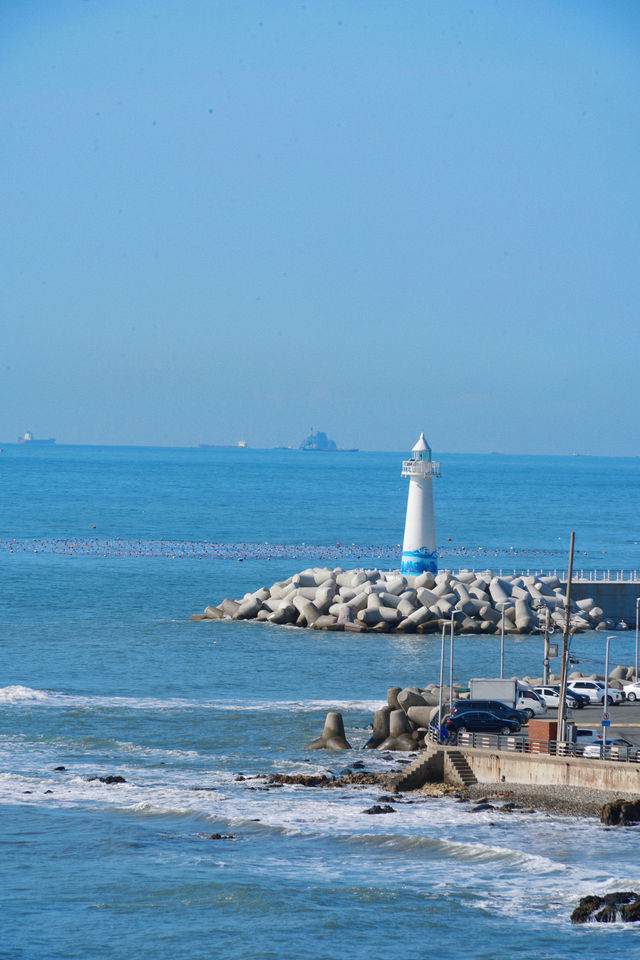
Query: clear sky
x,y
240,219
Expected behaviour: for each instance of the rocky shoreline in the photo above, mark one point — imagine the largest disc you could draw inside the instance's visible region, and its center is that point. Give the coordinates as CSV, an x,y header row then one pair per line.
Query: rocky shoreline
x,y
563,801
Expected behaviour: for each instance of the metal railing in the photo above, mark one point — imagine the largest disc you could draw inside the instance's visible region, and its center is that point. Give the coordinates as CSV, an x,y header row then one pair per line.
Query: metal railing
x,y
420,468
514,743
579,576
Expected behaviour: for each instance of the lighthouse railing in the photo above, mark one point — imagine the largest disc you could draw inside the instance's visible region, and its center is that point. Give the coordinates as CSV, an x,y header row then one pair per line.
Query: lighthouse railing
x,y
420,468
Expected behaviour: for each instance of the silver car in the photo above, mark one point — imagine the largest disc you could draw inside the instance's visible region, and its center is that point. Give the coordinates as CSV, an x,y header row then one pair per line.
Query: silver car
x,y
551,697
617,749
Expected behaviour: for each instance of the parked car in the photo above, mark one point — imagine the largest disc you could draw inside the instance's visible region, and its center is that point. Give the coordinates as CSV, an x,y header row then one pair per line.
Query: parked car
x,y
632,691
586,736
595,691
551,696
479,721
496,707
617,749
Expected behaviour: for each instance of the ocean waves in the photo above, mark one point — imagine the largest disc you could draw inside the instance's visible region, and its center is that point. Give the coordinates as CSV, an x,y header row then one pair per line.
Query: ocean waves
x,y
18,695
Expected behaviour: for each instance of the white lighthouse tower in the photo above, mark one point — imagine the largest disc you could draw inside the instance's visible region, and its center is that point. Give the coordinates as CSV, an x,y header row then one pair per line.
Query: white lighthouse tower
x,y
419,545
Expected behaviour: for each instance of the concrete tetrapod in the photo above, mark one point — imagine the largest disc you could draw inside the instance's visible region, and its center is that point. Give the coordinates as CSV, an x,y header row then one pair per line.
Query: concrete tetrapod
x,y
333,736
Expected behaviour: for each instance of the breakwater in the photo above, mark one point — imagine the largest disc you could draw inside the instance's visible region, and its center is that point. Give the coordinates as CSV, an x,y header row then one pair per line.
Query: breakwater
x,y
357,600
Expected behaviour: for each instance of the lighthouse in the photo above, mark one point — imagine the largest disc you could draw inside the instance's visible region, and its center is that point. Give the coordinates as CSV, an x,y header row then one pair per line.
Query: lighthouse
x,y
419,545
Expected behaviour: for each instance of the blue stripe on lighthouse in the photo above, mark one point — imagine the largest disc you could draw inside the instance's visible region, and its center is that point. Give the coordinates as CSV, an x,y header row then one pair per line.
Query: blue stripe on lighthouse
x,y
419,561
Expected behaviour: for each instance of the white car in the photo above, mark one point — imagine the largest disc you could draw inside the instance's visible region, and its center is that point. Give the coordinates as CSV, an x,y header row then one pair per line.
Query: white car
x,y
551,697
617,749
595,691
632,691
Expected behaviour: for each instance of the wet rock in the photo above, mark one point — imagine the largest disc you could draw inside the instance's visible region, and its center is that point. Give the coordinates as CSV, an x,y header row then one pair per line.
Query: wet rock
x,y
109,779
59,768
620,812
376,808
220,836
623,906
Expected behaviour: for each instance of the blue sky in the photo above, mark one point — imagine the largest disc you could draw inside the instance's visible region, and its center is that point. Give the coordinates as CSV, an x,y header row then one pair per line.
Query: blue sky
x,y
229,221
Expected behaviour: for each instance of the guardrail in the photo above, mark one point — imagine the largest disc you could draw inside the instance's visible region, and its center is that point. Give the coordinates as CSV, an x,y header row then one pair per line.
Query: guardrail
x,y
578,576
530,745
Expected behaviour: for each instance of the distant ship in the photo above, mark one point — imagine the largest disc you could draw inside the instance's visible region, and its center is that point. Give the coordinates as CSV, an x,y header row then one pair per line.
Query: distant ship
x,y
320,441
28,437
240,445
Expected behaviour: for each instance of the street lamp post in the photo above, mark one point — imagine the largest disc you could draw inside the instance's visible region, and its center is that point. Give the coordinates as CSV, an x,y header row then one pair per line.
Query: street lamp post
x,y
636,666
605,702
545,659
451,662
444,630
502,607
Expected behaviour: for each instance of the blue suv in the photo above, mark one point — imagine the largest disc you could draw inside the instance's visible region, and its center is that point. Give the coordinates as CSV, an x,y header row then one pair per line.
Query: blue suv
x,y
479,721
496,707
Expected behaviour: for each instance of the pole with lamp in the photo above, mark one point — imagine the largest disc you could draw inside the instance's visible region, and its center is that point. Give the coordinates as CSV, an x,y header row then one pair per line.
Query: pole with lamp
x,y
636,666
502,606
444,633
451,661
605,702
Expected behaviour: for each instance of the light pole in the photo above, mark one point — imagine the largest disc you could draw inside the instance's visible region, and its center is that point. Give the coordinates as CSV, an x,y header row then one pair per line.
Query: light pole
x,y
451,662
545,660
605,702
636,667
502,607
444,630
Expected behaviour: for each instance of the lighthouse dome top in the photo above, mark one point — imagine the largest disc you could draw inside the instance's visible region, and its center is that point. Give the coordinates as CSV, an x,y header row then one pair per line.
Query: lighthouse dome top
x,y
421,445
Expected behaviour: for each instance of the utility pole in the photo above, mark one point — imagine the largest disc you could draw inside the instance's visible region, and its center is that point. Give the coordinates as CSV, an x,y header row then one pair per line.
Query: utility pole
x,y
564,657
545,661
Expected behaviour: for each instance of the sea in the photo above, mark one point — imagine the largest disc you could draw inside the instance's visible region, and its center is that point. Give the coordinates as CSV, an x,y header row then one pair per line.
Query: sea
x,y
136,745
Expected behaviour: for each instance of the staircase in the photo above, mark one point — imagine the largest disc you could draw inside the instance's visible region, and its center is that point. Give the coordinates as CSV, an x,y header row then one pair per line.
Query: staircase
x,y
462,768
428,765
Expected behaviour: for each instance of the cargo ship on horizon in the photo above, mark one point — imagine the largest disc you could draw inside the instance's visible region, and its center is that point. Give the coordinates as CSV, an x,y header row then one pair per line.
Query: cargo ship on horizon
x,y
28,437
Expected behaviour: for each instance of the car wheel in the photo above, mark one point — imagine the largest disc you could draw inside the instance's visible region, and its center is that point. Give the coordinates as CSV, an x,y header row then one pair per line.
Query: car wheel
x,y
505,731
529,714
610,701
631,696
462,729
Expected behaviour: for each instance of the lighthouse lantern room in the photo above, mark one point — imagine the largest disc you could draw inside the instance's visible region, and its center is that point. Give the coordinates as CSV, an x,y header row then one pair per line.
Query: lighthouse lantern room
x,y
419,545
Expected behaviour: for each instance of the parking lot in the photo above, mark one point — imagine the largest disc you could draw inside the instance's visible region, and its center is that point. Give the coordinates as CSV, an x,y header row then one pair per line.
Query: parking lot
x,y
625,719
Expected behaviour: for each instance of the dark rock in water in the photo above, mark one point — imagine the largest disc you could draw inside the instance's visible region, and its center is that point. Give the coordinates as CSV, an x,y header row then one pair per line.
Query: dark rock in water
x,y
358,765
623,906
385,799
109,779
478,807
376,808
620,812
59,768
220,836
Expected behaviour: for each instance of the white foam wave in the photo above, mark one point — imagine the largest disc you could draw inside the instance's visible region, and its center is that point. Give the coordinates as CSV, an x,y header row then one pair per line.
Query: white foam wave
x,y
18,694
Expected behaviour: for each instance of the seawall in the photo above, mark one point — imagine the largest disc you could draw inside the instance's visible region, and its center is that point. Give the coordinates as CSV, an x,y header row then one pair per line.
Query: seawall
x,y
617,597
493,767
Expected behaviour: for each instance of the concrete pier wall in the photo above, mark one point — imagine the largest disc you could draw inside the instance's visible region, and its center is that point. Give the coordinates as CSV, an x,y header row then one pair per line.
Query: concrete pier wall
x,y
617,599
493,768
